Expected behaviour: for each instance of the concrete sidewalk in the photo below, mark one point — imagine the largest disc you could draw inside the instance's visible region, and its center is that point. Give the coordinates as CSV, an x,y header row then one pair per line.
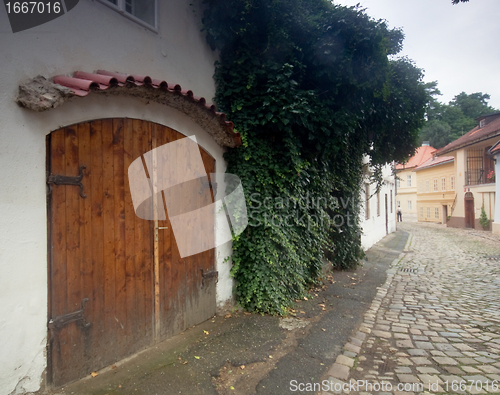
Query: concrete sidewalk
x,y
245,354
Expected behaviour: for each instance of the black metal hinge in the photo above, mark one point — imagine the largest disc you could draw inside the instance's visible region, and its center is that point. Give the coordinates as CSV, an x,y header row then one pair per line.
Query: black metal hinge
x,y
76,316
208,275
66,180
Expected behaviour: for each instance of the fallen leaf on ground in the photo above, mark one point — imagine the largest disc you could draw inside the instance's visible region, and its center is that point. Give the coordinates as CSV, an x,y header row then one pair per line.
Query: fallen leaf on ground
x,y
93,374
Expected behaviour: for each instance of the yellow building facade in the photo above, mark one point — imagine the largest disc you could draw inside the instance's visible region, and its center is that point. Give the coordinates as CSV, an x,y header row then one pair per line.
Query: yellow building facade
x,y
406,181
436,189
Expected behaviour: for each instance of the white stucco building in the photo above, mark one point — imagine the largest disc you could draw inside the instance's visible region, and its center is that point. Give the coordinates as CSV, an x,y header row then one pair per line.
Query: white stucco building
x,y
378,214
58,255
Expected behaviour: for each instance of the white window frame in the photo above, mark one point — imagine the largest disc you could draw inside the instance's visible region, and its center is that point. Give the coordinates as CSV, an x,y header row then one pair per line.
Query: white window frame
x,y
427,186
443,184
409,204
435,185
436,213
408,181
420,186
398,182
120,8
452,183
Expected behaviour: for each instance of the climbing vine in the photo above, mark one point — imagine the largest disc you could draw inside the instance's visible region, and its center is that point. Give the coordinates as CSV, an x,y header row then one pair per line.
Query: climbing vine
x,y
312,87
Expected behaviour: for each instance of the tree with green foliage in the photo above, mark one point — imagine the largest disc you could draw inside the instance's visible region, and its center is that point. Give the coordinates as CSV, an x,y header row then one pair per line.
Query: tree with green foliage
x,y
437,133
473,105
447,122
312,88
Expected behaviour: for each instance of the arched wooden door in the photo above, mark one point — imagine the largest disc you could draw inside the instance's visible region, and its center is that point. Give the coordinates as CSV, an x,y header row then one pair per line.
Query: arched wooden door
x,y
469,210
116,282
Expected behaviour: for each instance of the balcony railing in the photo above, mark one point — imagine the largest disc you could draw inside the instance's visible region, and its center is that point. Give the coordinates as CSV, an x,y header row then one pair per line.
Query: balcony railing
x,y
477,176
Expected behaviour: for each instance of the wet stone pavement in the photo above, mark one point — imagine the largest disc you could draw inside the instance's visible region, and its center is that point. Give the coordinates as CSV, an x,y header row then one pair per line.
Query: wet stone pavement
x,y
434,326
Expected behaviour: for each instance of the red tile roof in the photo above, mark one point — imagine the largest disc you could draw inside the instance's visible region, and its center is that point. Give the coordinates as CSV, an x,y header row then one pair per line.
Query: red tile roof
x,y
438,160
82,84
495,149
475,135
422,154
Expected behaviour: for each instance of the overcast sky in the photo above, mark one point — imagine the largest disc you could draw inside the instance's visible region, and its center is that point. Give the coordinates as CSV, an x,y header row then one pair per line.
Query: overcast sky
x,y
456,45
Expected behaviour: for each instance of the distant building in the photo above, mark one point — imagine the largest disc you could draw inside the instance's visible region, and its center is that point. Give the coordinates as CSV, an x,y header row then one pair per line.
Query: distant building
x,y
378,215
474,172
406,181
435,189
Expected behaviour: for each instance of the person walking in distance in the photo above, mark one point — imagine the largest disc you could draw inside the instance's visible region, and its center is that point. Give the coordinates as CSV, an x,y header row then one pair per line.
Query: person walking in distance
x,y
400,215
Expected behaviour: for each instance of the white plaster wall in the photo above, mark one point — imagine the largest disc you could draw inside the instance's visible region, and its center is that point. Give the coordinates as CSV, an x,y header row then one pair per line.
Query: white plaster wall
x,y
92,36
88,38
374,227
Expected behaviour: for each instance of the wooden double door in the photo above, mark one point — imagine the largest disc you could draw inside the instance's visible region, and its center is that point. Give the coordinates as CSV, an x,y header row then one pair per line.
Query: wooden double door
x,y
116,282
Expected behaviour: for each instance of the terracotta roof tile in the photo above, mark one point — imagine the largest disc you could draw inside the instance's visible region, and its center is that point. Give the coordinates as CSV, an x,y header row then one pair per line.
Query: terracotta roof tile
x,y
475,135
83,83
422,154
438,160
495,149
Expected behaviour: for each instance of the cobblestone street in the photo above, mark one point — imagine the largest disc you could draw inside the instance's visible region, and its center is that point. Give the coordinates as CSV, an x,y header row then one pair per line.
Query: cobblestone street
x,y
434,326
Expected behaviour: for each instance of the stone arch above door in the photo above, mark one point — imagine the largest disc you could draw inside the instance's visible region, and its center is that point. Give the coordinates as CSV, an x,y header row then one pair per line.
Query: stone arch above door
x,y
41,94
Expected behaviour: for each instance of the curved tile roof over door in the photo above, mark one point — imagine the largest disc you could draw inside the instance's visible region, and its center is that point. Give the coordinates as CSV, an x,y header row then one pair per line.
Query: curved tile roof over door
x,y
40,94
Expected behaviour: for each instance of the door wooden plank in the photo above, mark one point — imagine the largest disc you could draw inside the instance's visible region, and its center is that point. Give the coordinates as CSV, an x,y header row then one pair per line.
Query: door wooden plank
x,y
72,222
164,136
71,334
58,217
58,269
156,215
111,325
143,243
131,257
96,194
86,238
207,298
119,229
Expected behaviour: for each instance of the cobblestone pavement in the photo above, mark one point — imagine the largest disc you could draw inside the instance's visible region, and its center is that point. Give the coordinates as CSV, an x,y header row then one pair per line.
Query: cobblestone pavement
x,y
434,326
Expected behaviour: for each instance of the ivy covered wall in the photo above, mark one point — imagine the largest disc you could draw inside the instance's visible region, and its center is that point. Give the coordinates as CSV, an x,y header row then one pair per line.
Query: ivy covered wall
x,y
312,87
